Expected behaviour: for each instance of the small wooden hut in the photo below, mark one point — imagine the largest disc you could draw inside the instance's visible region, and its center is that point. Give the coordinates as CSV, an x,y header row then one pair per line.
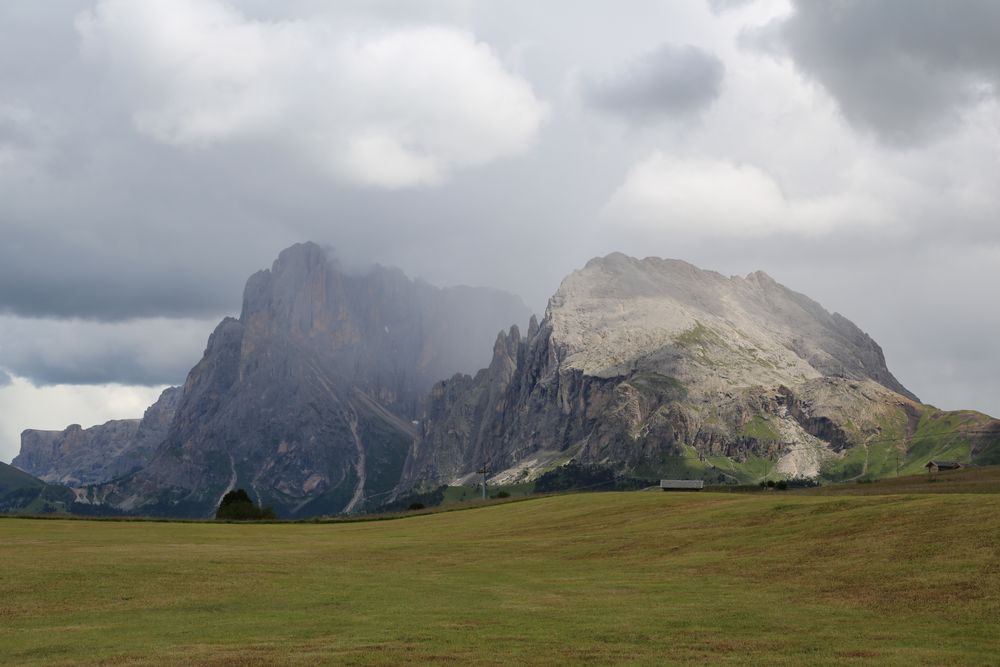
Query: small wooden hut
x,y
682,484
938,466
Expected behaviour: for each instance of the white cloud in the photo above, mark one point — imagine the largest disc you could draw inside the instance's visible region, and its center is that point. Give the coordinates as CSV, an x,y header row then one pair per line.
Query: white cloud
x,y
23,406
713,197
396,108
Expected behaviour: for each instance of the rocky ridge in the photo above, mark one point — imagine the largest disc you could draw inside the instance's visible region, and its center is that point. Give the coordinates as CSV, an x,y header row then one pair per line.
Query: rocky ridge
x,y
657,368
77,456
325,395
307,400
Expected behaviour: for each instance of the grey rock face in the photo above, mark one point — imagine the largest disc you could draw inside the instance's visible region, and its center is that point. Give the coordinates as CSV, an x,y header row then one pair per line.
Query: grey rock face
x,y
307,400
644,364
77,456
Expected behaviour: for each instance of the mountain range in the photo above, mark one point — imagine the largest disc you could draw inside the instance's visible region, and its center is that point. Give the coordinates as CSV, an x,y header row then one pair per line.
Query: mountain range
x,y
336,391
657,368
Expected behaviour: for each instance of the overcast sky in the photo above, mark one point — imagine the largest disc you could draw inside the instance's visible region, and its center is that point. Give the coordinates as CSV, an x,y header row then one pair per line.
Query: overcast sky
x,y
154,154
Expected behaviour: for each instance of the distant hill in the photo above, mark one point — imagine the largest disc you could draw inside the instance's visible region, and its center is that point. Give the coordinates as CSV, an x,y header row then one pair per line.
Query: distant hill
x,y
79,456
20,492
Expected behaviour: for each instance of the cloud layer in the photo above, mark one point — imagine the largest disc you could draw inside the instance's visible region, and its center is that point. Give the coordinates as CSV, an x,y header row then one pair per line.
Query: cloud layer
x,y
669,82
904,69
146,352
396,108
666,195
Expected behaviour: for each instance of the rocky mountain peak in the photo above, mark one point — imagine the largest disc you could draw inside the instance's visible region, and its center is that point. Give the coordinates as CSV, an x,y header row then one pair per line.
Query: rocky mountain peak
x,y
639,362
619,315
532,327
761,279
294,293
308,399
507,341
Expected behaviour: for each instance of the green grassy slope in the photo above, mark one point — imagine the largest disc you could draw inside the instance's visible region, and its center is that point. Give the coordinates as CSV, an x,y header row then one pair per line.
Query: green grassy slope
x,y
12,479
906,437
985,479
629,578
20,492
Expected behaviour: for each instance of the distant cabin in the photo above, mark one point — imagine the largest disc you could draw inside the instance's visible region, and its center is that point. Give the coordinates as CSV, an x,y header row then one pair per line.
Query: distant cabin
x,y
682,484
938,466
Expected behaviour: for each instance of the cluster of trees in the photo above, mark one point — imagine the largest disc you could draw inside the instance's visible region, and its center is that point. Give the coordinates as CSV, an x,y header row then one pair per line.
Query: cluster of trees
x,y
793,483
237,506
415,501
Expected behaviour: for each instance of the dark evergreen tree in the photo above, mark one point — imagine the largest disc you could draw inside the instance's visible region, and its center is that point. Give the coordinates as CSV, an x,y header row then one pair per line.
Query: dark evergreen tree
x,y
237,505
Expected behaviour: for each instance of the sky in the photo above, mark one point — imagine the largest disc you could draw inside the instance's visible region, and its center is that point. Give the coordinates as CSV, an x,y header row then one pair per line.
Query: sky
x,y
153,155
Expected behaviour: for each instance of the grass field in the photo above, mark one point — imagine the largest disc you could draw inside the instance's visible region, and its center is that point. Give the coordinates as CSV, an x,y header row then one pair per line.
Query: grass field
x,y
602,578
985,479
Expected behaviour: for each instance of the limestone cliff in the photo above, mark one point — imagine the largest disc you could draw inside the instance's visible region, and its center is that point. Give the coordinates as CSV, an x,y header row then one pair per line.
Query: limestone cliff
x,y
326,394
308,399
77,456
655,367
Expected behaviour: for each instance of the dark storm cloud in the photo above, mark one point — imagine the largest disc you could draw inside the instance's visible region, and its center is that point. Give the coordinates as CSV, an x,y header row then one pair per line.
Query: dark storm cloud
x,y
133,188
905,69
668,82
79,264
104,287
139,352
111,368
95,222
